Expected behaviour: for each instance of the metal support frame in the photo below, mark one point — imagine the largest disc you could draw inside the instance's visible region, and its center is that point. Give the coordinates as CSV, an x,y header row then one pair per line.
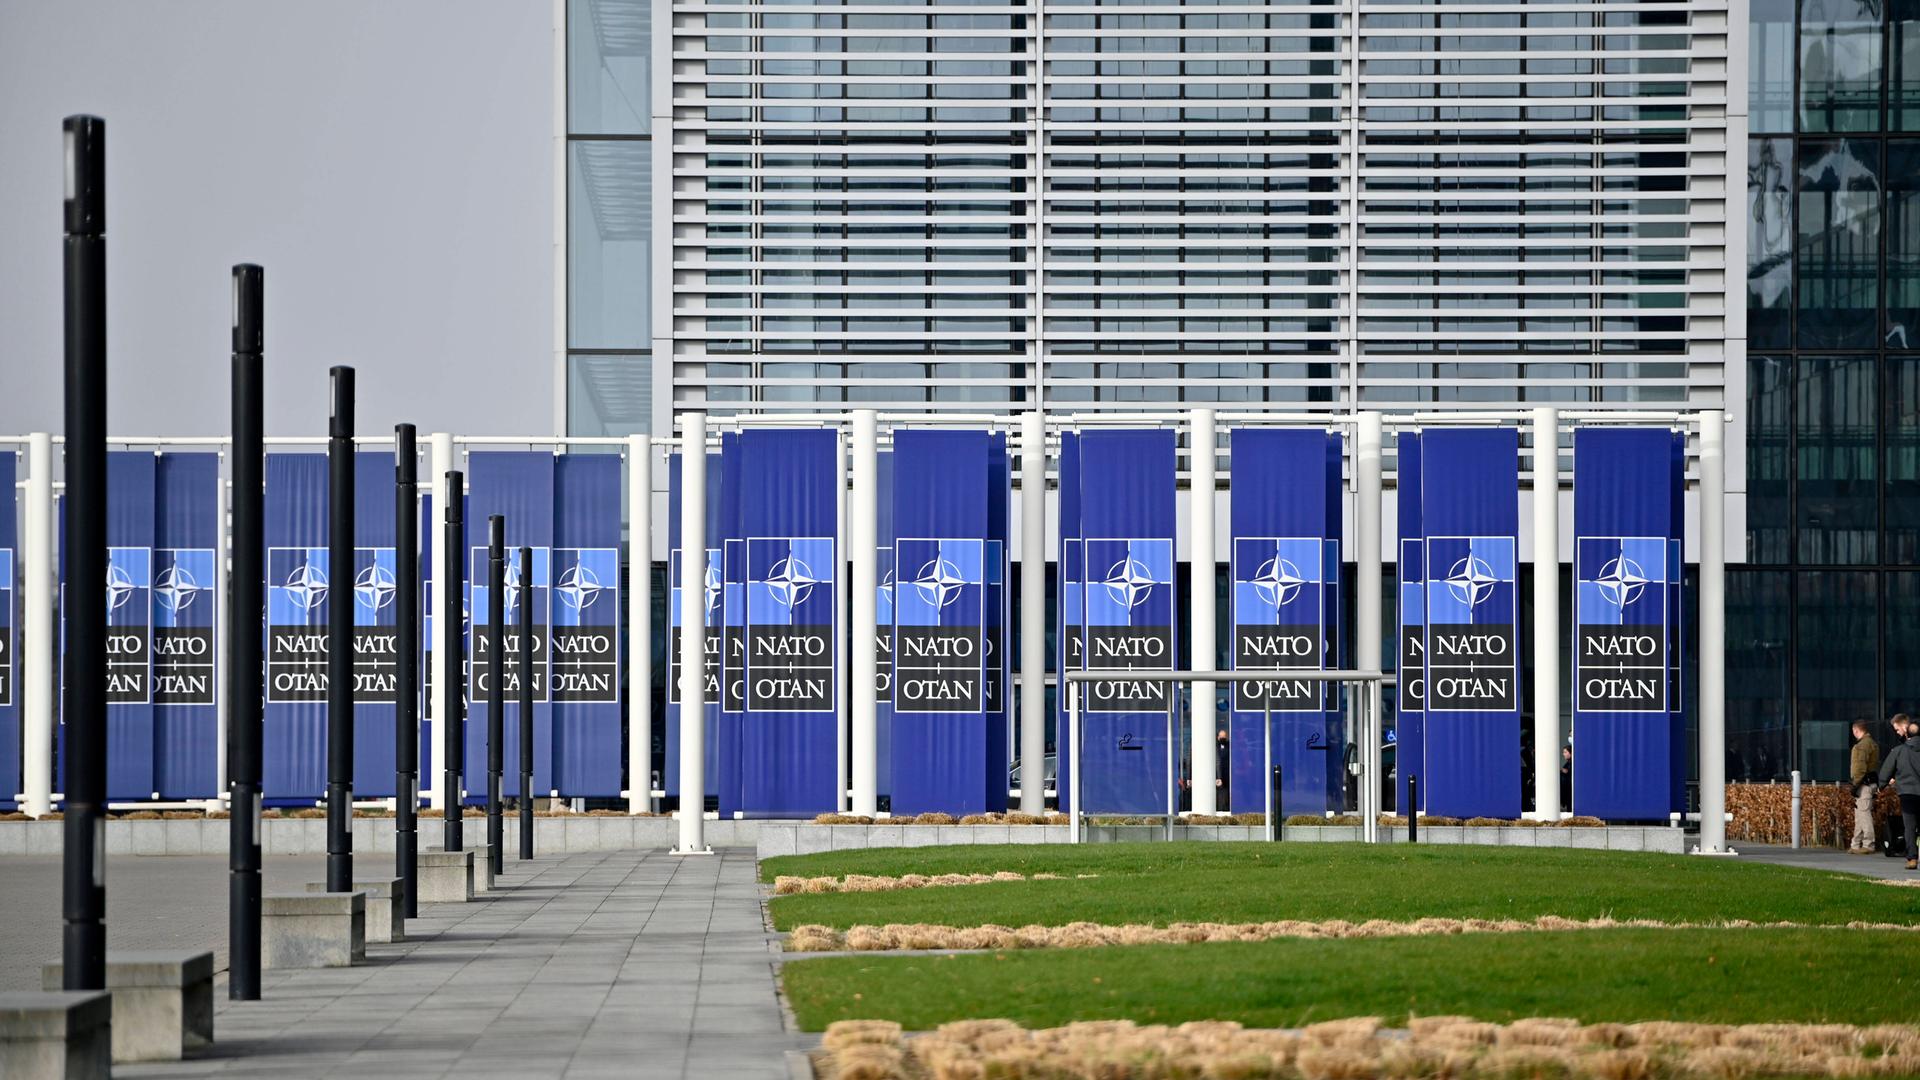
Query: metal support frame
x,y
448,669
1033,613
1713,634
525,716
441,465
639,656
693,636
863,540
496,686
246,608
1368,439
39,580
406,617
1546,614
1202,574
340,695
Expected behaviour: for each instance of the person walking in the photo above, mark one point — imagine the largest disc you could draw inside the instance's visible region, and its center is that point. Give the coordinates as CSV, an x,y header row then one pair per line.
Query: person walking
x,y
1902,767
1865,774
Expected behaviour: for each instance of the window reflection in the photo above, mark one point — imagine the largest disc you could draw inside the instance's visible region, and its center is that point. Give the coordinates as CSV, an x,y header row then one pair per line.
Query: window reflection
x,y
609,208
1903,244
1903,60
607,44
1839,243
1837,623
1836,501
1758,640
1839,65
1769,404
1770,65
1769,242
1903,462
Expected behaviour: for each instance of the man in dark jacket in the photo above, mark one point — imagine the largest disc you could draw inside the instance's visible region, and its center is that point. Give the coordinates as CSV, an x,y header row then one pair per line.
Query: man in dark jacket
x,y
1902,768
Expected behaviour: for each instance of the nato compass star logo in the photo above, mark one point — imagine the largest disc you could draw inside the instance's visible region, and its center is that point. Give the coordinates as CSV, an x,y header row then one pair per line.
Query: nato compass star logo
x,y
120,587
1471,580
709,588
579,588
176,588
1277,582
307,586
374,587
1130,582
1621,581
940,582
510,585
790,581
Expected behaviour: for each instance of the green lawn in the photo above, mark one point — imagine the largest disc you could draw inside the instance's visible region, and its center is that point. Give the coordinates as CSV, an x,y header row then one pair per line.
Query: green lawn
x,y
1725,976
1253,882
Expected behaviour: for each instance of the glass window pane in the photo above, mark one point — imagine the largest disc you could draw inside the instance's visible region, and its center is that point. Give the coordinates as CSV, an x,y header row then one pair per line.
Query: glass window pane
x,y
1840,65
1837,625
609,394
607,80
1769,243
609,203
1757,641
1839,252
1769,399
1903,57
1770,65
1903,651
1903,461
1837,507
1903,244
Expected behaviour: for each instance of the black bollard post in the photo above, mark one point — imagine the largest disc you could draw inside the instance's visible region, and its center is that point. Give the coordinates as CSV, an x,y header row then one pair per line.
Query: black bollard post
x,y
84,884
1279,828
526,703
496,693
246,608
453,691
340,601
406,642
1413,808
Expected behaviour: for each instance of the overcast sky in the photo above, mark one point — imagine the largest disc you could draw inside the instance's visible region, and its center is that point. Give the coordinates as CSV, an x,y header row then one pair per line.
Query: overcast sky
x,y
390,164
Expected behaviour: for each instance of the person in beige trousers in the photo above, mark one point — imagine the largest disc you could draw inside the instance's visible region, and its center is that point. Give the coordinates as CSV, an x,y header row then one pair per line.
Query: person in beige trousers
x,y
1866,771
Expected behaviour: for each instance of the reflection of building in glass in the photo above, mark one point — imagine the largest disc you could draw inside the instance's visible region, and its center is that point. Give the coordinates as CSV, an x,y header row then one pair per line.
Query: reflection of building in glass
x,y
1825,624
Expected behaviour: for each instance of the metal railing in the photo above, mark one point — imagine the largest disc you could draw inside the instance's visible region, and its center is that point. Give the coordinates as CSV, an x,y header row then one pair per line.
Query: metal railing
x,y
1364,706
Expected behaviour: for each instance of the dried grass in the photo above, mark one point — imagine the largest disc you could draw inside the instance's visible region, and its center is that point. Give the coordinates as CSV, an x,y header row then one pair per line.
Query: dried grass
x,y
1081,935
789,885
1433,1048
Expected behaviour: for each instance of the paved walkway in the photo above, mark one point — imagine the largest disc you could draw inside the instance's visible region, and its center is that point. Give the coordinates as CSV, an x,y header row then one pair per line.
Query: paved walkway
x,y
153,902
624,964
1826,858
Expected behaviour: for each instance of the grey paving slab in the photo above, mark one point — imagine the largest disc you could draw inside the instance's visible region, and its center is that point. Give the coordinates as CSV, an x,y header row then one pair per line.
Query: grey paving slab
x,y
602,964
1876,865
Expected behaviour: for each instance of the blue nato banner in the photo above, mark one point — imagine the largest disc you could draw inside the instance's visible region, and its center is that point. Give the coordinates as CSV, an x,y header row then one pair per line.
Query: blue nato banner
x,y
940,747
1127,520
1286,617
1469,509
710,606
162,600
789,506
1070,643
732,618
1627,553
999,620
304,592
566,508
883,627
1408,735
10,734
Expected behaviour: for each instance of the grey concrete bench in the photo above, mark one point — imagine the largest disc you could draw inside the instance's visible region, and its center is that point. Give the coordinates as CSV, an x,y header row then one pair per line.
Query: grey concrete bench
x,y
386,906
310,930
482,868
66,1035
162,1002
445,877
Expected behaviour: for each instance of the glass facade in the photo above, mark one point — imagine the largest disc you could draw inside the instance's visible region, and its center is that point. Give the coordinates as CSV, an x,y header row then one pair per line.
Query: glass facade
x,y
609,201
1821,619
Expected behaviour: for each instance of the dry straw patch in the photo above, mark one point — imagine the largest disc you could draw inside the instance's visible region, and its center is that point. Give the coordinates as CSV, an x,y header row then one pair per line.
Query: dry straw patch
x,y
788,884
1356,1048
894,937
